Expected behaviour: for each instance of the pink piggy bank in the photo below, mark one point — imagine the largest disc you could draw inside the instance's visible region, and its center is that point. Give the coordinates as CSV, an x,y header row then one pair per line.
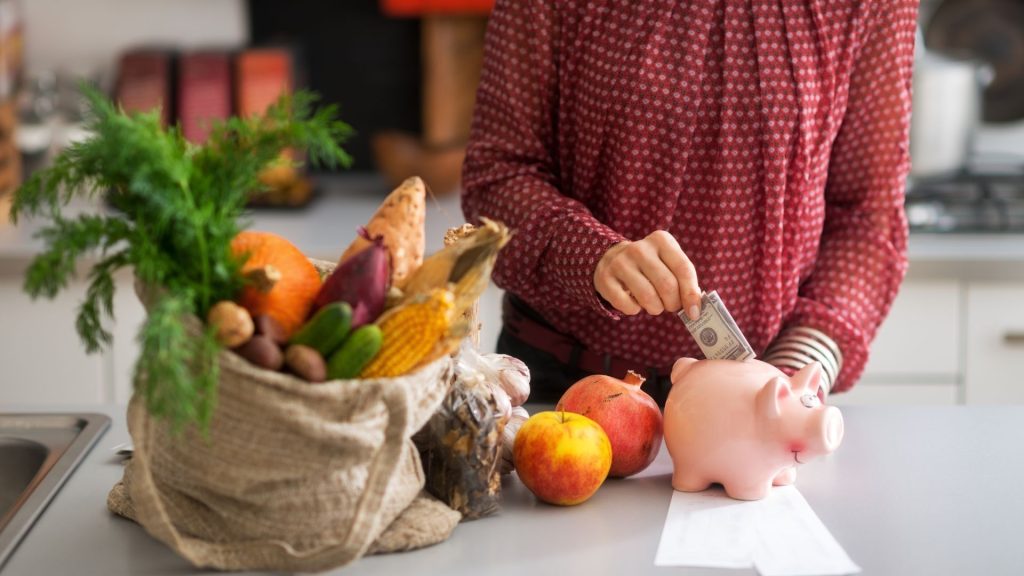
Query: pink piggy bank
x,y
745,425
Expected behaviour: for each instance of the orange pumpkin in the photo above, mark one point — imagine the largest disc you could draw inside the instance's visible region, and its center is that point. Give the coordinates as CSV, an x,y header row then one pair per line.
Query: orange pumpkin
x,y
282,281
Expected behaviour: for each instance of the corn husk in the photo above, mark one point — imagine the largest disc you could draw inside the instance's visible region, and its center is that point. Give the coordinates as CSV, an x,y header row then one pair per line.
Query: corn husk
x,y
467,262
464,266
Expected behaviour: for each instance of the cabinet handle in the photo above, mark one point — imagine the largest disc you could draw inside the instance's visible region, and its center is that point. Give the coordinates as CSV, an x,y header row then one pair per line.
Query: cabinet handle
x,y
1013,337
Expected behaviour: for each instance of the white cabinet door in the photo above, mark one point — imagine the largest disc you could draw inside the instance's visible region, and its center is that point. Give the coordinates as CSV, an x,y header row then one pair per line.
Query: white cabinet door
x,y
128,316
489,318
42,360
995,343
920,339
866,393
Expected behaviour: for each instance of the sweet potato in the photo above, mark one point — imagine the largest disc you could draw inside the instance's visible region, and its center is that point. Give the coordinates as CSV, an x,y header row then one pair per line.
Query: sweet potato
x,y
362,281
400,221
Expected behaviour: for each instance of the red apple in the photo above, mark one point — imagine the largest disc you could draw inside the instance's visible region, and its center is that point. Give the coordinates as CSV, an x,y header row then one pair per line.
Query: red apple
x,y
629,416
563,458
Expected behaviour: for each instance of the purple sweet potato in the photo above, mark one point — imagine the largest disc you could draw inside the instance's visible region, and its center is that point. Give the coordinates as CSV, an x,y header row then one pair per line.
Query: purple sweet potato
x,y
362,280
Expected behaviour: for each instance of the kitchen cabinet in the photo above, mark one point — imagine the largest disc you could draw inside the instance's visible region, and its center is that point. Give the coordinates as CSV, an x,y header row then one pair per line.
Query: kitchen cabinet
x,y
128,317
944,342
947,342
879,392
995,343
43,359
916,358
921,336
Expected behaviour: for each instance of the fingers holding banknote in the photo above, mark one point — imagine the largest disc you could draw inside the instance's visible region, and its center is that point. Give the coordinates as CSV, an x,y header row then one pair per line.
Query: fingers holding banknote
x,y
652,275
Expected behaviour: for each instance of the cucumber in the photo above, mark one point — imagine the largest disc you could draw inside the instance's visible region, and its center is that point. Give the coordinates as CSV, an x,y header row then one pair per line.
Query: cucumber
x,y
355,353
327,329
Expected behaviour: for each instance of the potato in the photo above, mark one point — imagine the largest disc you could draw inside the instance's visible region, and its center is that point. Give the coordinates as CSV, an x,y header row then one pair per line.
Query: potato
x,y
263,352
233,323
267,326
306,362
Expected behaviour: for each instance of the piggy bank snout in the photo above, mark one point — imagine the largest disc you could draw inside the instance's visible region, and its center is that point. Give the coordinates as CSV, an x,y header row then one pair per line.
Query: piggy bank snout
x,y
830,427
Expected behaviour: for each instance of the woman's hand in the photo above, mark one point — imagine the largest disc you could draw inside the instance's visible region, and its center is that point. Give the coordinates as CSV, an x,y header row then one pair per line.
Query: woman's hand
x,y
652,274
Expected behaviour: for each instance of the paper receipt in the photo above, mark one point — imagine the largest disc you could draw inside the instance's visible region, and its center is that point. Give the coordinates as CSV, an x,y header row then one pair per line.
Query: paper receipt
x,y
777,536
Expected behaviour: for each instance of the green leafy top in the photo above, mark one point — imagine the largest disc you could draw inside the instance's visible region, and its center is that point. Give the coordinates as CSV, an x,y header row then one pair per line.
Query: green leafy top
x,y
179,206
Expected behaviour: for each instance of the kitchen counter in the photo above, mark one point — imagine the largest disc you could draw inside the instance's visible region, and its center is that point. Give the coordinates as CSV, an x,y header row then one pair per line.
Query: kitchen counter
x,y
323,228
913,490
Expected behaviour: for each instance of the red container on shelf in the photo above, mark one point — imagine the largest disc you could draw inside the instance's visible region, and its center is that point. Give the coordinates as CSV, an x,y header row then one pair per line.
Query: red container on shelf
x,y
422,7
144,82
204,92
262,75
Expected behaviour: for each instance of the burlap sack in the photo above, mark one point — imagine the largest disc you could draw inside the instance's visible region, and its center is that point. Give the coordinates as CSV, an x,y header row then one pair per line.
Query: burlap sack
x,y
293,476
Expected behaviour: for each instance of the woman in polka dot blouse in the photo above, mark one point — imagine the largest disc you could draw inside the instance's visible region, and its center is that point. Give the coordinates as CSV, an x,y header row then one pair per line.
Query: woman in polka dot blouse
x,y
644,151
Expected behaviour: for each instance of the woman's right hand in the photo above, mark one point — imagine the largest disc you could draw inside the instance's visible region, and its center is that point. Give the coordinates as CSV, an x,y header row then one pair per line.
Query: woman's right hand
x,y
653,274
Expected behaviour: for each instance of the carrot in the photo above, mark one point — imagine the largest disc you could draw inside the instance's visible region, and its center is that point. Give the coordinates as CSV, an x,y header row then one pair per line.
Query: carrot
x,y
400,220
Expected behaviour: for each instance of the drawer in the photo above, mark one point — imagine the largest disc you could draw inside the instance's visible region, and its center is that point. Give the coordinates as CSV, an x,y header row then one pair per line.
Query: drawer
x,y
922,334
995,343
41,357
898,393
129,316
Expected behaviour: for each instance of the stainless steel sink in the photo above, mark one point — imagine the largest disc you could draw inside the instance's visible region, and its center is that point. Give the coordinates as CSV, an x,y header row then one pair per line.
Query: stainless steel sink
x,y
38,452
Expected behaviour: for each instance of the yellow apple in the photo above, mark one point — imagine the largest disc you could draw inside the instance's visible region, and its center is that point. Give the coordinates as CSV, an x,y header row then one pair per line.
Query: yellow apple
x,y
562,457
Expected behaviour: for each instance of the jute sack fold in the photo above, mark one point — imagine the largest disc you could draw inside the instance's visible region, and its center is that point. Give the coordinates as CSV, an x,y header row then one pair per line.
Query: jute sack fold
x,y
293,476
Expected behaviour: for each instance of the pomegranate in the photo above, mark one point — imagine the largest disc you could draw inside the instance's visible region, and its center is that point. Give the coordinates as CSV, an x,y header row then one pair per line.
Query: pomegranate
x,y
628,415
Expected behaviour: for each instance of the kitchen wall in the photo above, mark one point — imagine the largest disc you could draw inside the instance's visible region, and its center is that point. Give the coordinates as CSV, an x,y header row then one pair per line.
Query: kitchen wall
x,y
85,36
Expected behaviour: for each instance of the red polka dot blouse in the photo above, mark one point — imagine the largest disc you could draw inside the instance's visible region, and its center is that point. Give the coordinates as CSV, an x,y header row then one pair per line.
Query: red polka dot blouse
x,y
768,136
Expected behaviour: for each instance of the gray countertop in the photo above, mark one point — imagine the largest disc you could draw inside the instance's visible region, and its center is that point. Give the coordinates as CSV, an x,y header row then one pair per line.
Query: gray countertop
x,y
913,490
324,228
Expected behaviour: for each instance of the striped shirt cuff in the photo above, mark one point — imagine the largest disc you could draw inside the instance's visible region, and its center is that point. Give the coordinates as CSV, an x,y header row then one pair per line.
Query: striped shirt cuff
x,y
798,346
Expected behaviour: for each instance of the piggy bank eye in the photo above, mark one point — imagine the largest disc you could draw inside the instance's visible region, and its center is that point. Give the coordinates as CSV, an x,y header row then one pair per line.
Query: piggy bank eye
x,y
810,400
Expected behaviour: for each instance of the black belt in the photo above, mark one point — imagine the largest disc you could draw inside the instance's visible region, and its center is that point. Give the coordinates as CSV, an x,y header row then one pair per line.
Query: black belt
x,y
524,324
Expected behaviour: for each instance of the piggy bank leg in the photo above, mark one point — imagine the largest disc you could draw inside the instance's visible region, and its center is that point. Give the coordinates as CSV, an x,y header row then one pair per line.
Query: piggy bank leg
x,y
755,491
786,477
688,482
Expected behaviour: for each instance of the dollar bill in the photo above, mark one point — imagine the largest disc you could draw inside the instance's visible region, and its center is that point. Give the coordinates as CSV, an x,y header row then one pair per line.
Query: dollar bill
x,y
716,332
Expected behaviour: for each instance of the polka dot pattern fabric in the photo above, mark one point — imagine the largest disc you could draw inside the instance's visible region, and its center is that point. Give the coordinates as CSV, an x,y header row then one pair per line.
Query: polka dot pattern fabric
x,y
768,136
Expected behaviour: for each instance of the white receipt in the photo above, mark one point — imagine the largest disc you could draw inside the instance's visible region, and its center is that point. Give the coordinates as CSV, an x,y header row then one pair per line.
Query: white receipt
x,y
707,529
779,535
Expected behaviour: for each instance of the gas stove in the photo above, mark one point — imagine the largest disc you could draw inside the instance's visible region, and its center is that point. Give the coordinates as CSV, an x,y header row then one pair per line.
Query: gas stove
x,y
985,197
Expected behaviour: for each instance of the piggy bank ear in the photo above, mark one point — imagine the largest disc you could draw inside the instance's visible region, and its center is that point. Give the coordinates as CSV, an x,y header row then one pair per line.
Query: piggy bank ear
x,y
768,398
681,367
808,378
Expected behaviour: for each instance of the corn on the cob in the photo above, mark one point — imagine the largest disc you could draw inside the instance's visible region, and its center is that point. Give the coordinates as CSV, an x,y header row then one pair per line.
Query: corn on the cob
x,y
447,345
469,249
410,332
